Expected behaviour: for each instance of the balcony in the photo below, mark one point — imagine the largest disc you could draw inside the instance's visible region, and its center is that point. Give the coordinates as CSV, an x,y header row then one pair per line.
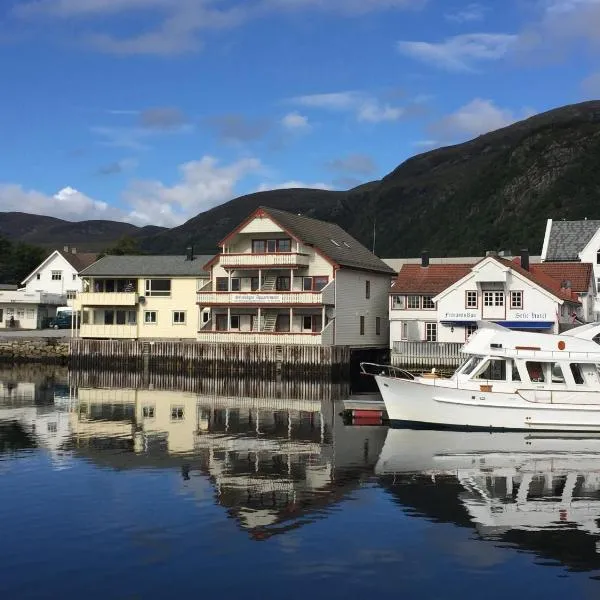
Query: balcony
x,y
108,331
255,337
268,260
107,299
260,298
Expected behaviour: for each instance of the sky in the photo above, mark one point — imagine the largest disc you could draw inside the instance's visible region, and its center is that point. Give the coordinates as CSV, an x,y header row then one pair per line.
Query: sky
x,y
152,111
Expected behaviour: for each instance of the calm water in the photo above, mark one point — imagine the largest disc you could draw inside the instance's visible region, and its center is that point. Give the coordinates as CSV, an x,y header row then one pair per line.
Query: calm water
x,y
146,493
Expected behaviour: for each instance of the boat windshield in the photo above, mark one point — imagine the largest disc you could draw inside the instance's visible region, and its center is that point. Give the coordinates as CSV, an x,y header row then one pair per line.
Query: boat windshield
x,y
469,365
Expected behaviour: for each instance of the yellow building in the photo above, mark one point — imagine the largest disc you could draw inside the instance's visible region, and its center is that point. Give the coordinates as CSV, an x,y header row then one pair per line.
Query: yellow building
x,y
141,297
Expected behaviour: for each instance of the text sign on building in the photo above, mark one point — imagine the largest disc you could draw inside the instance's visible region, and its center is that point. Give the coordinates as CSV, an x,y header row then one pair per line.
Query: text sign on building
x,y
257,298
531,316
460,316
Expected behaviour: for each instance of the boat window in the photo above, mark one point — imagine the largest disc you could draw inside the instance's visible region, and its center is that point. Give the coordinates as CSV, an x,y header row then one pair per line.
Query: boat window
x,y
515,372
577,374
557,374
535,371
495,370
469,365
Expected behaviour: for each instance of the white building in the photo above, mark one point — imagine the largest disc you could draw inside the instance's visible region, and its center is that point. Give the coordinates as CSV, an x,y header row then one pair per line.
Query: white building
x,y
574,241
20,309
443,302
283,278
58,274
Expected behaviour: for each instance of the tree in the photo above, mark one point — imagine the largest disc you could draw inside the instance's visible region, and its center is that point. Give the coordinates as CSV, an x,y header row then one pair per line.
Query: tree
x,y
17,260
125,246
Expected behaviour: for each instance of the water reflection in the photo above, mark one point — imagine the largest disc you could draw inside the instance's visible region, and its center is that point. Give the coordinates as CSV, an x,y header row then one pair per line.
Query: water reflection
x,y
538,491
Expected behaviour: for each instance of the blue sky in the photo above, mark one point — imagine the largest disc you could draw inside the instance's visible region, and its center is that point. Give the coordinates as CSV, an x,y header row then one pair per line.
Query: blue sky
x,y
152,111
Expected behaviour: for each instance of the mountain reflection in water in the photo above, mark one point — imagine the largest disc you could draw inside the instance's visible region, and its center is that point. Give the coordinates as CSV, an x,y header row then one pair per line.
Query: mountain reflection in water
x,y
131,474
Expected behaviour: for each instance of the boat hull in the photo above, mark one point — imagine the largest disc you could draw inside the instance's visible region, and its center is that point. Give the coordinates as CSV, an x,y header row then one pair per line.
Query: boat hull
x,y
414,403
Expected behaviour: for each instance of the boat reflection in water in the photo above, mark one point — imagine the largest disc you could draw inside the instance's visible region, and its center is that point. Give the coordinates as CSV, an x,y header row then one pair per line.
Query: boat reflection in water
x,y
539,492
270,460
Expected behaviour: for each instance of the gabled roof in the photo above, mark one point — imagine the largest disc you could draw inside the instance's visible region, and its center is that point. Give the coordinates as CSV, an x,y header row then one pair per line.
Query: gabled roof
x,y
329,239
147,266
566,239
434,279
81,260
415,279
578,274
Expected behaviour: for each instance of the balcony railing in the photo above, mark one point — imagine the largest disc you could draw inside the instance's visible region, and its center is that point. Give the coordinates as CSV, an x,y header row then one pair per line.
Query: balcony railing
x,y
108,331
259,298
107,299
254,337
269,259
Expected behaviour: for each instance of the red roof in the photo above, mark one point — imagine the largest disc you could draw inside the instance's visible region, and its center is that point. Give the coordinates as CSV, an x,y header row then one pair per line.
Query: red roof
x,y
415,279
434,279
80,260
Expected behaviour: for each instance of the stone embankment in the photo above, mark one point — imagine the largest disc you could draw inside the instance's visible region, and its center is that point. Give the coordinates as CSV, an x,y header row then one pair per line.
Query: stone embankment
x,y
42,350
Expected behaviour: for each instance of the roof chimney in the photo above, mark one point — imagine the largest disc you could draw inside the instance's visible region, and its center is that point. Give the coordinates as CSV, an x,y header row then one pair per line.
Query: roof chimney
x,y
73,250
65,248
491,253
425,258
525,259
189,253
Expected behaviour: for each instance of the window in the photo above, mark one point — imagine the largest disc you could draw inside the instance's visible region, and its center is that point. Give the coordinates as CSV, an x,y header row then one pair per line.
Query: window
x,y
307,323
30,313
307,284
471,300
21,314
535,371
493,298
254,284
205,316
598,257
470,330
71,294
284,245
38,276
431,332
557,374
235,284
150,317
515,372
404,331
52,427
222,284
148,412
179,317
367,289
56,275
258,246
158,287
516,300
74,276
283,284
413,302
377,325
271,245
362,326
494,370
177,413
221,322
428,302
577,374
131,317
398,302
235,322
319,283
109,317
283,323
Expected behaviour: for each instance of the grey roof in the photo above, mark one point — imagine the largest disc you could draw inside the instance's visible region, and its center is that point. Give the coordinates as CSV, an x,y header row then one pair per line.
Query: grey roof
x,y
331,240
147,266
8,286
568,238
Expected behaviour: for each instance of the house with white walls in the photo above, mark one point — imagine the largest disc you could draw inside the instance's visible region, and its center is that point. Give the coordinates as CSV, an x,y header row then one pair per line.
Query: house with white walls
x,y
58,274
441,303
574,241
284,278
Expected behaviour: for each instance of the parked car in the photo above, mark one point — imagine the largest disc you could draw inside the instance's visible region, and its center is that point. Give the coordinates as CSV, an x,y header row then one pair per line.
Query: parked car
x,y
62,321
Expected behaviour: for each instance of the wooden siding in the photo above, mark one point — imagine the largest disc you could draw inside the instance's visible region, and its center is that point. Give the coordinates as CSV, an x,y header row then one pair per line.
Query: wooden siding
x,y
426,354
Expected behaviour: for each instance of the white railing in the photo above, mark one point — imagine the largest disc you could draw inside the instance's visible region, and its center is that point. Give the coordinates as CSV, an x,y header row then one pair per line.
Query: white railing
x,y
255,337
426,354
107,299
282,259
108,331
258,297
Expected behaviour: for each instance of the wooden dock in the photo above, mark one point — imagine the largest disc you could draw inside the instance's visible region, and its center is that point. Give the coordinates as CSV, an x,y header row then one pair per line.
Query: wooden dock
x,y
365,409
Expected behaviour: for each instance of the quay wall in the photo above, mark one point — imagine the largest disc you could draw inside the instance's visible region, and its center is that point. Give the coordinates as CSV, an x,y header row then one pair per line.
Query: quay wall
x,y
38,350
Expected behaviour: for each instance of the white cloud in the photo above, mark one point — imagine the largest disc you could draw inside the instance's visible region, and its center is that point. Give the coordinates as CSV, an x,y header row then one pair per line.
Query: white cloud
x,y
366,107
461,52
475,118
266,186
294,121
345,7
68,203
468,14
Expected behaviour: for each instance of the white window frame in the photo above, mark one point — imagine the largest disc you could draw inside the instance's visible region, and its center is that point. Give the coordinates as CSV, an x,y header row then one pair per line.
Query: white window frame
x,y
408,303
177,412
470,296
398,302
516,294
179,312
71,294
430,298
148,411
431,332
56,275
404,331
147,313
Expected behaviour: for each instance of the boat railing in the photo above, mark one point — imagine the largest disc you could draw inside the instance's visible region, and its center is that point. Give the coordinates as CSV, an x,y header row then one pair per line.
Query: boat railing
x,y
384,370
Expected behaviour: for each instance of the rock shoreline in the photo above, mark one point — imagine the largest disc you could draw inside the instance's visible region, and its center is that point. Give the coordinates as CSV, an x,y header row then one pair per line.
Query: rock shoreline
x,y
41,350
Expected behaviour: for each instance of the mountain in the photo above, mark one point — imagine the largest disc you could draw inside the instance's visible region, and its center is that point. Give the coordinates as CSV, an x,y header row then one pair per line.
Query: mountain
x,y
50,232
492,193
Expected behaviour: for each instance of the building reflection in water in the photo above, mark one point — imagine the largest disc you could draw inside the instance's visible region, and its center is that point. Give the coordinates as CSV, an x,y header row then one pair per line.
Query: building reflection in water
x,y
276,453
540,492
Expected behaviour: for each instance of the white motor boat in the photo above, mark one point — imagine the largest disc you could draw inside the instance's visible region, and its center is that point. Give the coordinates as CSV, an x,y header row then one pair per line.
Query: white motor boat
x,y
510,380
